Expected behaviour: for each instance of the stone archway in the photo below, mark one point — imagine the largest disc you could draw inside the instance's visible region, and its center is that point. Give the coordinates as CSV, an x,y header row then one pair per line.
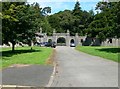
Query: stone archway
x,y
66,38
61,41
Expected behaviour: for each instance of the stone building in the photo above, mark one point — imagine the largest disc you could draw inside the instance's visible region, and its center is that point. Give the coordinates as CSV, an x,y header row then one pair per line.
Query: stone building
x,y
78,40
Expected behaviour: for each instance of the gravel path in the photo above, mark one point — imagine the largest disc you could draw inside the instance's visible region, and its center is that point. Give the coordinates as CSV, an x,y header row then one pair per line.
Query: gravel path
x,y
77,69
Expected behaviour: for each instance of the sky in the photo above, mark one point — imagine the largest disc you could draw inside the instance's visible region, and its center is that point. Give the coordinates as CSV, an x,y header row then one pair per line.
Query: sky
x,y
61,5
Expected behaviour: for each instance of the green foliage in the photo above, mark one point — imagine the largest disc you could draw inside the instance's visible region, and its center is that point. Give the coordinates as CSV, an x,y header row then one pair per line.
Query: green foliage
x,y
46,26
117,19
21,21
76,20
77,9
105,23
9,21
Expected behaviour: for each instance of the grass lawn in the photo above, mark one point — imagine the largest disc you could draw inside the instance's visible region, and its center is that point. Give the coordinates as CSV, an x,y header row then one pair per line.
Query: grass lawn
x,y
23,55
110,53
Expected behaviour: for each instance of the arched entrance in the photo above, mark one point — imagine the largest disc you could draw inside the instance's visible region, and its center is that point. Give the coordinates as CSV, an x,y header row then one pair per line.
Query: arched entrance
x,y
72,41
49,40
61,41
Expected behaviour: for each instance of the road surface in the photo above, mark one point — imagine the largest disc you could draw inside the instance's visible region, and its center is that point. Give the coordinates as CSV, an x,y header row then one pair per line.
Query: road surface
x,y
78,69
32,75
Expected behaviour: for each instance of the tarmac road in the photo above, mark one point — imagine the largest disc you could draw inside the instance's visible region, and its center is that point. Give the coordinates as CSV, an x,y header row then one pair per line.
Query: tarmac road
x,y
77,69
32,76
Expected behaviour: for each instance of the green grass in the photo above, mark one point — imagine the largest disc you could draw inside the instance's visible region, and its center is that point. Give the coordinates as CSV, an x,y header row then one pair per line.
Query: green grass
x,y
110,53
24,55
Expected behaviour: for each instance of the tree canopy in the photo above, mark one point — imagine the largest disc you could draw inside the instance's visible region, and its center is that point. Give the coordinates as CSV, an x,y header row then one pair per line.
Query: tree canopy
x,y
20,22
74,20
104,24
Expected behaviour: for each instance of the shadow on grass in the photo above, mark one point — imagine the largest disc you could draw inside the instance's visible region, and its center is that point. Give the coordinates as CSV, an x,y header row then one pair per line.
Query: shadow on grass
x,y
110,50
9,53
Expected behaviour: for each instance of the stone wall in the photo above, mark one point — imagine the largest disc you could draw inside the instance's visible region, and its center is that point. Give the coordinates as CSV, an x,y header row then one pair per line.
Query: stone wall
x,y
79,40
20,44
96,42
114,42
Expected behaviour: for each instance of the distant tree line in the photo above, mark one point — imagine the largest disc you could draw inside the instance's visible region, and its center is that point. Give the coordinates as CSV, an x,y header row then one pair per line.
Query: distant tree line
x,y
20,21
106,23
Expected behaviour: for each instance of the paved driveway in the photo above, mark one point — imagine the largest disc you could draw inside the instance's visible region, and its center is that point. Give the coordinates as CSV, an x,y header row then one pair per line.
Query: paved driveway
x,y
33,75
77,69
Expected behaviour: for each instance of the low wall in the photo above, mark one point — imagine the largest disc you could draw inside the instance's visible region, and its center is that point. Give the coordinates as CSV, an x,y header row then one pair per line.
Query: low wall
x,y
10,45
115,42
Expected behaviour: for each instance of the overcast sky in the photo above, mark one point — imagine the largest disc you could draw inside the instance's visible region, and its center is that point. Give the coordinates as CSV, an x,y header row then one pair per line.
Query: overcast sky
x,y
61,5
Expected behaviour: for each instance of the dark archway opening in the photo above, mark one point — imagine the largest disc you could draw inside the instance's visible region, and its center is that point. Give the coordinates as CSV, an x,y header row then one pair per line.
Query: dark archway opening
x,y
49,40
61,41
72,41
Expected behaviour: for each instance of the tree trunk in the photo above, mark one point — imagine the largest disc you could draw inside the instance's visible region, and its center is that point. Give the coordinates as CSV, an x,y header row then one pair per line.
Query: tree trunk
x,y
13,47
31,44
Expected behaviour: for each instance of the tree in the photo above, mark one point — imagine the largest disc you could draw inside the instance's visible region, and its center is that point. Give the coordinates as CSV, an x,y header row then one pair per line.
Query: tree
x,y
104,23
80,19
0,23
32,19
117,20
54,21
61,21
76,20
77,9
46,10
20,22
9,21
